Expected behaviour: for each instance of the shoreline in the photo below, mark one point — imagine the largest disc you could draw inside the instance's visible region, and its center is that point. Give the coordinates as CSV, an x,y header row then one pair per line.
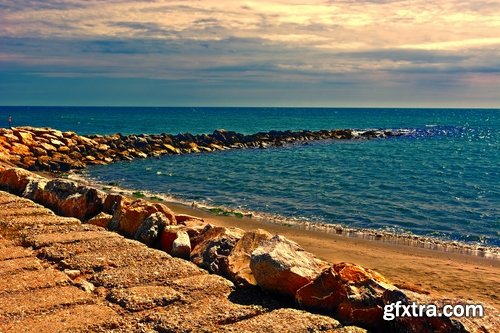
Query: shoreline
x,y
253,217
431,270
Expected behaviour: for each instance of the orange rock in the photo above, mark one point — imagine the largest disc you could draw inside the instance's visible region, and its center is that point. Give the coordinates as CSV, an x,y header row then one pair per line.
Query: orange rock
x,y
350,293
112,201
26,138
67,198
20,149
212,246
238,261
184,217
175,241
283,267
129,216
16,180
101,220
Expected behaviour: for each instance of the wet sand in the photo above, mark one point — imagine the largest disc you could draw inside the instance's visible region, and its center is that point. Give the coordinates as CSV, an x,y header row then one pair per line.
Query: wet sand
x,y
452,275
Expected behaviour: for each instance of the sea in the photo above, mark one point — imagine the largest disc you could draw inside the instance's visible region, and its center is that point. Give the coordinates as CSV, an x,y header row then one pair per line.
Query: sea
x,y
442,180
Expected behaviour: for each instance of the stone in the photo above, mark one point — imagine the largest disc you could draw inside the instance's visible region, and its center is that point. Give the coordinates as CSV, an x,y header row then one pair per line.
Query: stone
x,y
352,294
239,259
129,215
181,246
111,202
282,266
101,220
184,217
169,235
16,180
212,246
67,198
149,231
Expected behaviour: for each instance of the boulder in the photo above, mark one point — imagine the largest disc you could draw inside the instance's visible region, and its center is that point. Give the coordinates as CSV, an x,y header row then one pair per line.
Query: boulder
x,y
181,247
66,197
111,202
101,220
212,246
350,293
283,267
16,180
238,261
150,230
129,215
184,217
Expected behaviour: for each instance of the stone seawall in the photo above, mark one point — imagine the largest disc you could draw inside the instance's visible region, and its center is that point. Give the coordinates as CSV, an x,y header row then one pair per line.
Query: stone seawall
x,y
44,149
351,294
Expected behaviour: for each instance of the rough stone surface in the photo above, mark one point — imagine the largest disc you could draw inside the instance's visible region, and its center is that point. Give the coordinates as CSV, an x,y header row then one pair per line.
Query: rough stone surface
x,y
238,261
282,266
101,220
129,215
212,246
151,228
181,246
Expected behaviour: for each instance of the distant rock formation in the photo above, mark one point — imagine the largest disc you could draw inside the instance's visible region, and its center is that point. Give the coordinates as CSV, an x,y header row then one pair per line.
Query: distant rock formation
x,y
45,149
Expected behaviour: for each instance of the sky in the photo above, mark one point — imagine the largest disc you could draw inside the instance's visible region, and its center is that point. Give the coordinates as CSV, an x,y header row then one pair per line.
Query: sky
x,y
379,53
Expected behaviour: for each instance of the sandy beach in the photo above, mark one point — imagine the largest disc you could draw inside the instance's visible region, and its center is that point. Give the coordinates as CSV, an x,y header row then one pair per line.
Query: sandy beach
x,y
452,275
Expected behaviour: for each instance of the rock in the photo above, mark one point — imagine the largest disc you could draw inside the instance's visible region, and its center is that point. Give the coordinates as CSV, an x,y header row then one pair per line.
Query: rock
x,y
181,247
421,324
101,220
283,267
67,198
128,216
150,230
25,137
239,259
194,227
16,180
111,202
352,294
184,217
20,149
212,246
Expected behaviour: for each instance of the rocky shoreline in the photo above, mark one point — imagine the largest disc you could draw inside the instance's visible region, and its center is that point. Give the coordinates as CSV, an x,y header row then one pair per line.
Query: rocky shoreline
x,y
251,260
45,149
369,234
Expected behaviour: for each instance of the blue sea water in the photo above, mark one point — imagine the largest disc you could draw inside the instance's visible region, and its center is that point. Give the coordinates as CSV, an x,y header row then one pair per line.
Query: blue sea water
x,y
442,181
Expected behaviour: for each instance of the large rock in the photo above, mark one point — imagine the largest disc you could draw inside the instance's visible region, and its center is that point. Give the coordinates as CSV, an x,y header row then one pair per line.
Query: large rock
x,y
67,198
129,215
16,180
238,261
212,246
101,220
181,246
350,293
283,267
149,231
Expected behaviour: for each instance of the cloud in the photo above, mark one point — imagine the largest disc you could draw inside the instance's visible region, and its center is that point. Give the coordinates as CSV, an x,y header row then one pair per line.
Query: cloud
x,y
358,43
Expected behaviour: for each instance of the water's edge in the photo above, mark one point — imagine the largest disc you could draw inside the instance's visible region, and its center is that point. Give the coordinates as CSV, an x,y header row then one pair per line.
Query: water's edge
x,y
402,239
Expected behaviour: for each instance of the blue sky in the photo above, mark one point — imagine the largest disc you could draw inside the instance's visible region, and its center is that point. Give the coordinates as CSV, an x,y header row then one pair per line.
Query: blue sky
x,y
256,53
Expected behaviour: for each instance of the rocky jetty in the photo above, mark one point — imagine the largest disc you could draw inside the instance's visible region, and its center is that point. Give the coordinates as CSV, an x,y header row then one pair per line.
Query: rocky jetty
x,y
348,294
45,149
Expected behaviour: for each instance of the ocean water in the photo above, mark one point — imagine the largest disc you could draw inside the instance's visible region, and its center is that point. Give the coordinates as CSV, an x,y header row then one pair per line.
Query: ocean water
x,y
441,181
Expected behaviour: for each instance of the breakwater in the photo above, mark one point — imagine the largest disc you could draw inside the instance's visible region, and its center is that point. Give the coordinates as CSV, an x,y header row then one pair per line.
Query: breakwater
x,y
45,149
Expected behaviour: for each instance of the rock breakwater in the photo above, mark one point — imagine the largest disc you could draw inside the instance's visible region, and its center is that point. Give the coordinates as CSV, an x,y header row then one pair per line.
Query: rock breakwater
x,y
45,149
